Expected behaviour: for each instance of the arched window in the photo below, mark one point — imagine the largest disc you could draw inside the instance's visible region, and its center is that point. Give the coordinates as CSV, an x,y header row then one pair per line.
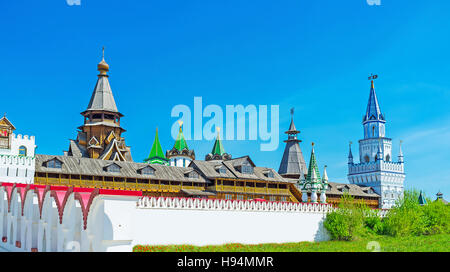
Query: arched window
x,y
388,158
366,158
22,151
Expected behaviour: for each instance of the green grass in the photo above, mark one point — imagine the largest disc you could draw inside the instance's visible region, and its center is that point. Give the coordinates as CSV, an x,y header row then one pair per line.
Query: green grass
x,y
431,243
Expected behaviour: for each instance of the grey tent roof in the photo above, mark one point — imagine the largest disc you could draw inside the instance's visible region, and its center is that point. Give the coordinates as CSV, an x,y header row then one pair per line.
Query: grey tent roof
x,y
292,129
292,162
102,98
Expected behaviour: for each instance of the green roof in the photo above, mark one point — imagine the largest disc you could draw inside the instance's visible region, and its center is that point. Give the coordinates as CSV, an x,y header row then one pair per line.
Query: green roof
x,y
180,142
218,147
156,154
422,200
312,167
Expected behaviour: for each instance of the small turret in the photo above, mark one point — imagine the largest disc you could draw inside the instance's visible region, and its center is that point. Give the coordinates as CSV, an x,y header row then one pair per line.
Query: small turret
x,y
422,200
323,197
350,155
180,155
379,153
218,151
400,153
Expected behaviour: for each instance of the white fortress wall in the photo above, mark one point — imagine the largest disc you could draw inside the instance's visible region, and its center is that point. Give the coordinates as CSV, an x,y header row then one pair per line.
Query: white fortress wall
x,y
108,221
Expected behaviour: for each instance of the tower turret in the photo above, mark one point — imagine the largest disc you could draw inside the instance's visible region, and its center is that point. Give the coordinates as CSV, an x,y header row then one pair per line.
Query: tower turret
x,y
313,184
180,155
400,152
323,197
100,137
350,155
218,151
292,164
376,168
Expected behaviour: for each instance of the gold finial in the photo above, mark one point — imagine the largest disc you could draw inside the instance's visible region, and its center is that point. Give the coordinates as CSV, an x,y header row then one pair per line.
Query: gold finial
x,y
181,125
103,67
312,143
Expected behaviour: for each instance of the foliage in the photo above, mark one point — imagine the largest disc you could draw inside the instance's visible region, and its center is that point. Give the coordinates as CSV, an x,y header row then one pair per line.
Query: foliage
x,y
437,216
410,218
431,243
407,218
347,222
373,223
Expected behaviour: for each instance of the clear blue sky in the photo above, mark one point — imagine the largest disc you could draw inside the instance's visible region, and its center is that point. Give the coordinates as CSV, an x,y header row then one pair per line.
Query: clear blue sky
x,y
311,55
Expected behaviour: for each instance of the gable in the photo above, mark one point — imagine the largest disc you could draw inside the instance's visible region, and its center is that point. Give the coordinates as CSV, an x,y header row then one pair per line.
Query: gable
x,y
112,168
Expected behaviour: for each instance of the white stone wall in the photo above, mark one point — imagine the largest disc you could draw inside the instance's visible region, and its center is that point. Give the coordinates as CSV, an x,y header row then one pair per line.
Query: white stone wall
x,y
15,168
117,223
210,222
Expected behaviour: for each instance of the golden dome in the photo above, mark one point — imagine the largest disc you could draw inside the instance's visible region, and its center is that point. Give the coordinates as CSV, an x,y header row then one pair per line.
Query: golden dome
x,y
102,66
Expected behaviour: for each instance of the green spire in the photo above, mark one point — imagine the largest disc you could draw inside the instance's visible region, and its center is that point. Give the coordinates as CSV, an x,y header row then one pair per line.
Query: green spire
x,y
422,200
180,142
313,168
156,154
218,147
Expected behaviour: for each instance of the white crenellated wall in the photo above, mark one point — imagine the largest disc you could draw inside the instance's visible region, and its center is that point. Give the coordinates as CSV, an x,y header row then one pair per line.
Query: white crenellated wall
x,y
15,168
117,222
213,221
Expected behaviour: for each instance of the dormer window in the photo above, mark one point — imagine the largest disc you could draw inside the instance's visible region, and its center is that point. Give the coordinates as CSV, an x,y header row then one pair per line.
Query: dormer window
x,y
146,171
192,174
221,169
247,168
269,174
55,163
112,168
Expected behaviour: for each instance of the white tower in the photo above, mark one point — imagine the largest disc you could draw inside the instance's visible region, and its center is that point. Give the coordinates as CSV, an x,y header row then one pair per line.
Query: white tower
x,y
376,168
17,161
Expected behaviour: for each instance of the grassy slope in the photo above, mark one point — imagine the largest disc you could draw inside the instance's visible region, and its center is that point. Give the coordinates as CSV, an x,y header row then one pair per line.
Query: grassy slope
x,y
433,243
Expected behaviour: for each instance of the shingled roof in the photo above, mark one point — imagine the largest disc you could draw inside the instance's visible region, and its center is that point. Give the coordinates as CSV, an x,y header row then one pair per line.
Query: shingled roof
x,y
352,189
96,167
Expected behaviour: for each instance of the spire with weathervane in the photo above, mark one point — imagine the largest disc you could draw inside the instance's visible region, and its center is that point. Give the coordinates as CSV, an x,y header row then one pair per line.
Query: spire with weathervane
x,y
180,155
100,137
218,151
373,121
292,164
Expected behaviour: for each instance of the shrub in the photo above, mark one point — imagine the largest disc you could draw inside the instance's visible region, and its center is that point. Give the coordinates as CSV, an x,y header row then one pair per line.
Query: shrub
x,y
347,222
406,217
373,223
437,217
